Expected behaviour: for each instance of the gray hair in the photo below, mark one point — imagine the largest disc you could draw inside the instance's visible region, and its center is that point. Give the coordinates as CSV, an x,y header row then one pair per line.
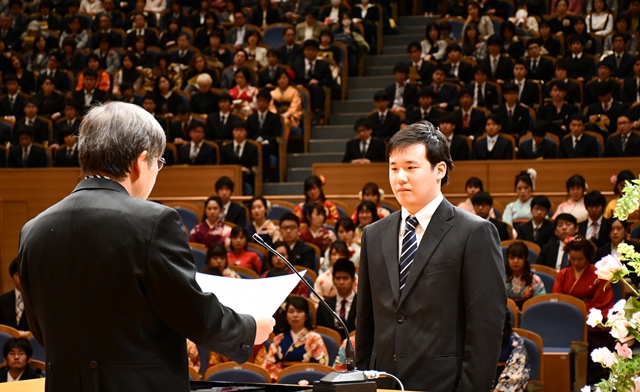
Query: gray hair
x,y
113,135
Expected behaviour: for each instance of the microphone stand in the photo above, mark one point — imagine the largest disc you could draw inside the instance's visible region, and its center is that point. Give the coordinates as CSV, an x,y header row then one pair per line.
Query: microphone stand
x,y
352,380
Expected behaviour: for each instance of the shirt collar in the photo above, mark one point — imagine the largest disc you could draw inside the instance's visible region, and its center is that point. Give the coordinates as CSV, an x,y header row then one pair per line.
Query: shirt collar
x,y
598,222
199,145
493,138
236,144
349,298
167,95
383,113
425,214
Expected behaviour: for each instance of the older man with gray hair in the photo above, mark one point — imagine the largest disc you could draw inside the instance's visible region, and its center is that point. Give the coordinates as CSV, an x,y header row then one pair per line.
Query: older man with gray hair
x,y
108,278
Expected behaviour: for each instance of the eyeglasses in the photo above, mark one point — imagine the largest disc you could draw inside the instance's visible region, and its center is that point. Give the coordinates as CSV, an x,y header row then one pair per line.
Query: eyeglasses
x,y
161,162
288,228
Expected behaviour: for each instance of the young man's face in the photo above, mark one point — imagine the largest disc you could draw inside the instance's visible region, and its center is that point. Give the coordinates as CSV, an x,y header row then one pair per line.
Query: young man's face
x,y
197,134
425,101
624,125
533,50
565,229
16,359
289,230
438,77
519,71
343,283
263,104
400,77
148,104
363,133
511,97
539,213
30,110
415,55
224,105
25,140
619,45
595,212
494,49
183,43
604,72
239,135
48,87
480,78
482,210
454,56
447,128
290,37
239,59
466,101
12,87
577,127
576,47
558,94
310,53
382,105
224,193
89,83
272,60
492,128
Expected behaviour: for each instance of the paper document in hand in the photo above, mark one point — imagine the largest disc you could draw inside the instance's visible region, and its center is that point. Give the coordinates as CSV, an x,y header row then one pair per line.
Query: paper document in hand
x,y
257,297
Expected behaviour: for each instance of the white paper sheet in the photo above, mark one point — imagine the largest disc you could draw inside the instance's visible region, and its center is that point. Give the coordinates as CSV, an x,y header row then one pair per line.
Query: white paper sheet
x,y
257,297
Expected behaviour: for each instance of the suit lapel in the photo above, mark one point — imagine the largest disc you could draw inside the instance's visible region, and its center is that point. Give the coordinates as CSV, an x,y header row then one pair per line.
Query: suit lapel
x,y
438,227
390,251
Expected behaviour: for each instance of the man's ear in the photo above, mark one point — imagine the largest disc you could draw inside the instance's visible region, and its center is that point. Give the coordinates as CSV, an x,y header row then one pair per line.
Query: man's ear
x,y
136,167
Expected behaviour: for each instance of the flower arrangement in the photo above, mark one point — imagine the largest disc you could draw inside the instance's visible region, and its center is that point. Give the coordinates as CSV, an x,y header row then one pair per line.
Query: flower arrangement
x,y
624,317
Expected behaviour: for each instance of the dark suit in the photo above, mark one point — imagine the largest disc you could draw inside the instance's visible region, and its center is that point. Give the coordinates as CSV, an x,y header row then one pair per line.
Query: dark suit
x,y
477,122
504,70
321,73
386,129
376,152
232,35
62,81
236,214
30,373
53,22
543,72
573,92
176,130
583,67
549,255
150,37
447,328
62,160
490,97
546,150
459,148
519,122
41,130
257,18
271,128
203,103
8,313
465,71
503,229
549,113
98,96
501,150
603,232
303,255
445,93
613,147
289,56
625,69
591,93
587,147
16,110
630,90
419,115
425,71
409,96
325,319
616,110
206,156
135,100
37,157
185,59
248,159
266,76
117,20
140,297
530,93
545,233
216,130
116,40
55,103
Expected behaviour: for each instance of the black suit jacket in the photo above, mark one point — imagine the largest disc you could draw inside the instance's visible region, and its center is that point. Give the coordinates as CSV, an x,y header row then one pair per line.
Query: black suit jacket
x,y
518,124
175,130
549,255
491,96
587,147
616,110
185,60
206,156
603,232
425,72
388,128
591,93
117,20
325,318
530,94
409,96
150,37
504,70
236,214
459,148
264,77
321,72
503,229
203,103
57,129
30,373
626,65
63,161
217,131
445,93
377,151
62,81
544,72
56,103
271,128
248,159
416,115
583,67
630,91
17,110
465,71
445,327
289,57
613,147
545,233
546,150
303,255
41,131
8,313
501,150
476,123
140,297
37,157
98,96
273,16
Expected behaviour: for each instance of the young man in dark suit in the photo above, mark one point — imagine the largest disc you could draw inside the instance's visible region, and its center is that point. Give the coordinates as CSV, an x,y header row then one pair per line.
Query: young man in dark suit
x,y
631,89
264,127
397,278
469,120
290,50
538,229
558,112
40,129
240,152
61,80
24,153
423,69
180,129
12,311
220,123
456,69
267,76
313,74
538,67
483,205
538,146
140,318
492,146
364,148
620,61
425,109
596,228
139,30
445,97
581,66
196,151
459,146
604,76
578,144
128,96
50,103
67,153
574,94
499,66
12,104
89,95
606,109
553,254
69,118
344,303
625,143
516,119
116,18
183,54
233,212
17,352
484,94
403,93
149,104
528,91
299,252
385,123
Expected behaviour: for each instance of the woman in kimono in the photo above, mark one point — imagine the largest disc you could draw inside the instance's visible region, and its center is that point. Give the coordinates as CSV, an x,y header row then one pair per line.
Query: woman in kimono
x,y
298,342
520,210
315,232
285,100
313,193
521,283
265,228
576,187
212,230
243,94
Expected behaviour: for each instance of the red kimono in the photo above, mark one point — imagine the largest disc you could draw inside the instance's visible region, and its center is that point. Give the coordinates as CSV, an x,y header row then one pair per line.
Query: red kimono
x,y
588,288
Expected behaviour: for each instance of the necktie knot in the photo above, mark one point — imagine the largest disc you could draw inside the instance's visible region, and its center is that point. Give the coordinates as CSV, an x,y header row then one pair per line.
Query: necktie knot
x,y
412,223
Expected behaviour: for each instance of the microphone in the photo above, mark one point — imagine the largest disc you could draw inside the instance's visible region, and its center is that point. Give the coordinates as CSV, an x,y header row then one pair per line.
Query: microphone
x,y
352,380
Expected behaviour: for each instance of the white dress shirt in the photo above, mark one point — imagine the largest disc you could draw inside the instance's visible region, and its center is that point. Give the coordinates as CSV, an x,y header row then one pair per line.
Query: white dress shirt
x,y
423,216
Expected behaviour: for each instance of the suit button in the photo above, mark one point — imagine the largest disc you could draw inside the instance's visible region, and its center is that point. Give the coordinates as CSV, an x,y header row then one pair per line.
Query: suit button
x,y
394,358
49,366
400,319
93,365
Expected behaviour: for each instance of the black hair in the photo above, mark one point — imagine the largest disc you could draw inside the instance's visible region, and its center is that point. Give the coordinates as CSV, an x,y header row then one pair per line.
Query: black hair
x,y
565,217
424,133
13,267
381,95
577,117
524,177
317,207
236,231
340,247
474,182
541,201
224,181
216,250
495,118
576,180
289,216
621,178
482,198
594,199
414,45
17,343
401,67
510,88
369,206
431,25
344,265
539,128
362,122
309,183
518,249
452,47
579,243
262,200
533,41
245,72
300,304
346,224
371,187
206,202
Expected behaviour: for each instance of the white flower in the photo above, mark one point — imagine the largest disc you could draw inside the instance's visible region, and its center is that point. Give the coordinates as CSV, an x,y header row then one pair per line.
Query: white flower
x,y
586,389
607,267
604,356
619,330
617,310
624,351
595,317
636,318
637,384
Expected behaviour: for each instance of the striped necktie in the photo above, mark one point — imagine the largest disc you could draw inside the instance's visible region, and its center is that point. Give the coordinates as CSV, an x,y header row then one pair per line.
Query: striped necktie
x,y
409,248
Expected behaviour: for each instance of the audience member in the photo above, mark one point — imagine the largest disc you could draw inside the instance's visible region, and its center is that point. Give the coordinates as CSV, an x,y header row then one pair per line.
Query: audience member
x,y
228,77
67,154
256,54
539,229
217,263
220,124
473,45
89,95
139,29
239,255
528,90
12,309
631,89
179,129
276,267
243,93
603,115
425,110
61,80
421,71
558,112
469,120
367,213
500,67
25,154
289,51
483,206
493,145
596,228
620,181
346,230
203,99
520,210
625,143
562,23
580,66
485,26
243,153
212,229
484,95
197,151
554,254
314,75
512,44
70,118
268,75
313,193
365,148
538,67
538,146
267,229
433,47
456,69
599,21
576,187
515,118
521,282
17,353
12,104
404,94
299,253
472,186
40,129
233,212
103,79
108,58
444,96
324,282
149,104
578,144
618,234
316,232
344,303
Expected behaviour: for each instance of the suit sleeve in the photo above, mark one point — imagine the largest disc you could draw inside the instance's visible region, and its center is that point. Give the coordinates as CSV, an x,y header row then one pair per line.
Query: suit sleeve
x,y
485,299
365,321
170,275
